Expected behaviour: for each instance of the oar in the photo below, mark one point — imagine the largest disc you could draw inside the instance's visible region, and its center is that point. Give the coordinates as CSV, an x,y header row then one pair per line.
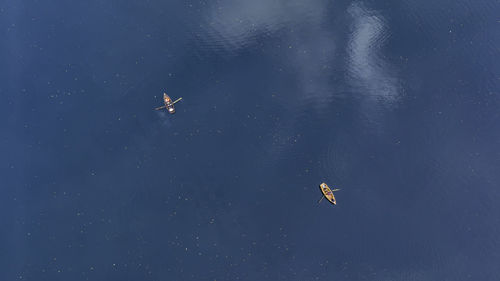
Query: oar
x,y
321,199
337,189
158,108
177,100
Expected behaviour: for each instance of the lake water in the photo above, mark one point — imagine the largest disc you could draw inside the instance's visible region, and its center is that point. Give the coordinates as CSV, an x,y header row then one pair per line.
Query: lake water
x,y
394,102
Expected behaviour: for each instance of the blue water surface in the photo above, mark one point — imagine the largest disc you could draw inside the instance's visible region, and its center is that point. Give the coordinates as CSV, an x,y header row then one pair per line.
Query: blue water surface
x,y
394,102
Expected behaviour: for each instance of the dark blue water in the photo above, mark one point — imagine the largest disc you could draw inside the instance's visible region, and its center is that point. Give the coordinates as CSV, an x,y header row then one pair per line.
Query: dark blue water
x,y
394,102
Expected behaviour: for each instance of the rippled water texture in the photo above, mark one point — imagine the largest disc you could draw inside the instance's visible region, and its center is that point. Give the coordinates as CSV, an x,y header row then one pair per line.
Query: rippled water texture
x,y
395,103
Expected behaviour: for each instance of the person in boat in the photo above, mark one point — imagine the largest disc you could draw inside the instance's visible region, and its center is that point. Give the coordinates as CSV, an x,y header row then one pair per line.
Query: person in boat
x,y
328,193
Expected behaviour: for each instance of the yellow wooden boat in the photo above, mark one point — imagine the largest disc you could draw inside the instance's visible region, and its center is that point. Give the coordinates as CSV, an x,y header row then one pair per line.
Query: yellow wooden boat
x,y
328,193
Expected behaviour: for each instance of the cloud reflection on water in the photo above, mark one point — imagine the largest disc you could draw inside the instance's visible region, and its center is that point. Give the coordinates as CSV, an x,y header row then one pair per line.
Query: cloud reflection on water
x,y
304,46
327,61
233,26
369,73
